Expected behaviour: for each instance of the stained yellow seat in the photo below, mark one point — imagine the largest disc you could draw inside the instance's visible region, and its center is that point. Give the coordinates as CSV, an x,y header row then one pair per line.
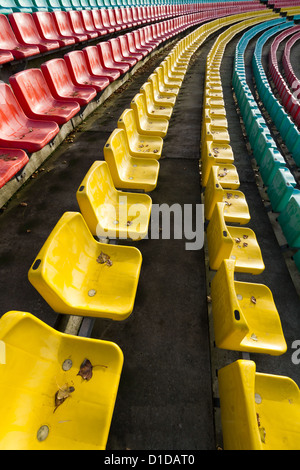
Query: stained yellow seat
x,y
175,78
237,243
245,317
212,119
78,275
215,133
111,213
140,145
163,83
161,96
258,411
213,153
152,108
45,404
154,125
227,174
236,208
129,172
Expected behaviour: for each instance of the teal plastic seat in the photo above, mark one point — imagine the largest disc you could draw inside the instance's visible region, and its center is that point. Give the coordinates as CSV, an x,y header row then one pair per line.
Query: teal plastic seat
x,y
270,162
281,189
289,220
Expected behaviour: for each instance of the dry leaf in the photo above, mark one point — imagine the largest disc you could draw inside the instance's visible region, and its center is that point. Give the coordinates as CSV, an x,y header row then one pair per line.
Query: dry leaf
x,y
104,259
253,299
86,370
62,394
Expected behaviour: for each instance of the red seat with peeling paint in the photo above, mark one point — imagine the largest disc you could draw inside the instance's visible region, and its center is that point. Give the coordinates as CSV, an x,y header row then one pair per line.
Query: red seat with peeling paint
x,y
78,26
80,75
119,19
97,19
11,162
64,27
26,32
112,19
47,28
32,92
61,85
132,47
106,20
107,59
88,23
95,66
118,55
138,45
124,47
19,131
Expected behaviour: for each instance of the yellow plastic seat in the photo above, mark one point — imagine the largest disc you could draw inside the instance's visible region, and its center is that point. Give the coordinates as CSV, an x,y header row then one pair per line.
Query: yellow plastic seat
x,y
227,174
111,213
140,145
213,153
154,125
45,404
237,243
161,97
214,133
213,120
245,317
129,172
173,77
164,86
236,208
152,108
258,411
78,275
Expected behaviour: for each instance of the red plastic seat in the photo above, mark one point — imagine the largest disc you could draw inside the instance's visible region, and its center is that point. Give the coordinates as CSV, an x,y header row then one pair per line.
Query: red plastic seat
x,y
106,21
61,85
78,70
132,47
26,32
19,131
135,15
47,29
124,46
9,43
89,24
125,19
11,162
64,27
130,18
138,43
97,19
117,53
107,59
78,26
112,19
34,95
149,37
119,19
95,67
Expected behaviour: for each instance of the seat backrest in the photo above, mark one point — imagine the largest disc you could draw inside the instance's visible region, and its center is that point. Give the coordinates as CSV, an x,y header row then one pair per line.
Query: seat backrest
x,y
105,18
77,65
57,76
92,58
213,192
219,241
105,54
116,49
24,28
31,89
123,45
97,19
62,22
138,104
116,152
128,124
7,36
87,20
45,24
12,117
76,21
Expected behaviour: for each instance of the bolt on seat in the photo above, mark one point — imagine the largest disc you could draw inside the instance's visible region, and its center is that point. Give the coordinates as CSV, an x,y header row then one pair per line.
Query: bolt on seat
x,y
129,172
41,374
78,275
111,213
237,243
258,411
140,145
245,317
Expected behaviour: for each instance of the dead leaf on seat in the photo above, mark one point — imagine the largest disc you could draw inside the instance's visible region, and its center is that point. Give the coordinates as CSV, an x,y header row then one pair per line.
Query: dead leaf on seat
x,y
62,394
103,258
253,299
86,370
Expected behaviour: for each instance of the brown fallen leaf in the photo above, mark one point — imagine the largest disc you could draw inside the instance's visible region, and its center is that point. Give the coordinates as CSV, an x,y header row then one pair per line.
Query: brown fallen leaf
x,y
62,394
103,258
86,370
253,299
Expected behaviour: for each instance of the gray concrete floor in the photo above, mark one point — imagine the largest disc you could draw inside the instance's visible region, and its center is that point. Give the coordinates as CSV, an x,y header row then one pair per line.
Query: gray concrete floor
x,y
167,397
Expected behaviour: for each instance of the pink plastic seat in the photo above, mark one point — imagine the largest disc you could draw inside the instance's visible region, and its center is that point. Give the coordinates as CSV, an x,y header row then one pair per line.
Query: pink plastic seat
x,y
119,19
138,43
64,27
112,19
132,48
78,26
134,44
117,53
61,85
11,162
125,18
34,95
95,66
106,21
47,29
89,24
26,32
19,131
97,19
78,70
107,59
123,41
130,18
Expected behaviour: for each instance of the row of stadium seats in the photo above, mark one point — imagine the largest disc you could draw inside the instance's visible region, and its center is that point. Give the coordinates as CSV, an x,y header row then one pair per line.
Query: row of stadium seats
x,y
40,100
76,273
245,317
